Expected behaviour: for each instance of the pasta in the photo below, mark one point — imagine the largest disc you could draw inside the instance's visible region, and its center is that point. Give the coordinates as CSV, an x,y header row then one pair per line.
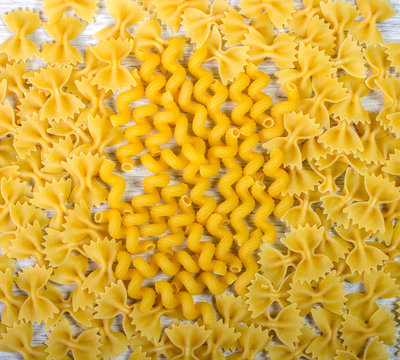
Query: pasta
x,y
113,76
198,24
279,14
327,345
125,13
21,23
36,306
60,51
252,340
298,127
171,12
304,240
187,338
85,346
306,337
231,61
60,105
18,337
381,11
260,49
83,169
159,195
55,9
355,333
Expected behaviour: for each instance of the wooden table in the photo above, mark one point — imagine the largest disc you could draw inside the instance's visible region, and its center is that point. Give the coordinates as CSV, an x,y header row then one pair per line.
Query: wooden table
x,y
391,33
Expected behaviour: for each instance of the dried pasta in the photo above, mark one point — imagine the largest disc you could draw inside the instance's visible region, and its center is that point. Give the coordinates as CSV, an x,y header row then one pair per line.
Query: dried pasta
x,y
158,196
21,23
60,51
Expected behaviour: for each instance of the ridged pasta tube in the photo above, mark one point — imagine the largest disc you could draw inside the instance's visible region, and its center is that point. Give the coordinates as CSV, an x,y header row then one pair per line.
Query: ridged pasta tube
x,y
225,186
215,228
220,118
136,291
205,249
140,203
276,189
168,60
162,121
123,263
278,110
218,152
196,109
207,280
246,256
260,217
168,208
205,77
176,224
244,104
169,264
207,203
153,165
135,146
118,186
124,99
117,230
254,159
192,147
183,299
262,101
244,209
155,81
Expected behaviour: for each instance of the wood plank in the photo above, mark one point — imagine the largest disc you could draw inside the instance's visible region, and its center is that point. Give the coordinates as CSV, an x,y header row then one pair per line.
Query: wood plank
x,y
391,33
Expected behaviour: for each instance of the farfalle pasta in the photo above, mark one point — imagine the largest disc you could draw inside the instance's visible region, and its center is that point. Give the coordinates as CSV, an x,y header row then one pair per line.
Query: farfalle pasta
x,y
311,62
171,12
366,30
230,61
21,23
113,76
199,24
298,127
60,51
18,337
259,49
60,341
60,105
328,344
55,9
279,14
83,170
139,211
125,13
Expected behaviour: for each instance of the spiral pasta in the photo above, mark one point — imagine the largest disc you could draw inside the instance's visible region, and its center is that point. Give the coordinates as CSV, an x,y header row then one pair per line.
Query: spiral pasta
x,y
199,207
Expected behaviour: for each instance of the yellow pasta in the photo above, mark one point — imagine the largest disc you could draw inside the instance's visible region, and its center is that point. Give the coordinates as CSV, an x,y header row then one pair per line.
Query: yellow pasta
x,y
279,13
230,61
21,23
125,13
95,99
200,215
60,51
171,12
113,76
198,24
18,337
55,9
366,30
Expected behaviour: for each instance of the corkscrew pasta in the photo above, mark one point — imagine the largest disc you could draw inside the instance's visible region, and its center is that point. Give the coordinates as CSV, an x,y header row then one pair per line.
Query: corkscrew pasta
x,y
160,195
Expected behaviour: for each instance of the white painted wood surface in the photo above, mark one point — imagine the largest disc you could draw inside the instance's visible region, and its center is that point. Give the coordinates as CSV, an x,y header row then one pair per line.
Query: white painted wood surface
x,y
391,33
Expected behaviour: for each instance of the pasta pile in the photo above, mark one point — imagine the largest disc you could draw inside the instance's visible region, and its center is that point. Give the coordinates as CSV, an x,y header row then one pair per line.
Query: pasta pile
x,y
104,272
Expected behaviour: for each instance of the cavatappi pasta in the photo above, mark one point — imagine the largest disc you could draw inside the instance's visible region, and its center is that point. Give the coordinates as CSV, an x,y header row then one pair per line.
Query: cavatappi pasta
x,y
157,196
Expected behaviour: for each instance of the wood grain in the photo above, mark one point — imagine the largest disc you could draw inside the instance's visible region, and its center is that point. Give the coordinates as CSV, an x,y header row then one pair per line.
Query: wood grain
x,y
391,33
